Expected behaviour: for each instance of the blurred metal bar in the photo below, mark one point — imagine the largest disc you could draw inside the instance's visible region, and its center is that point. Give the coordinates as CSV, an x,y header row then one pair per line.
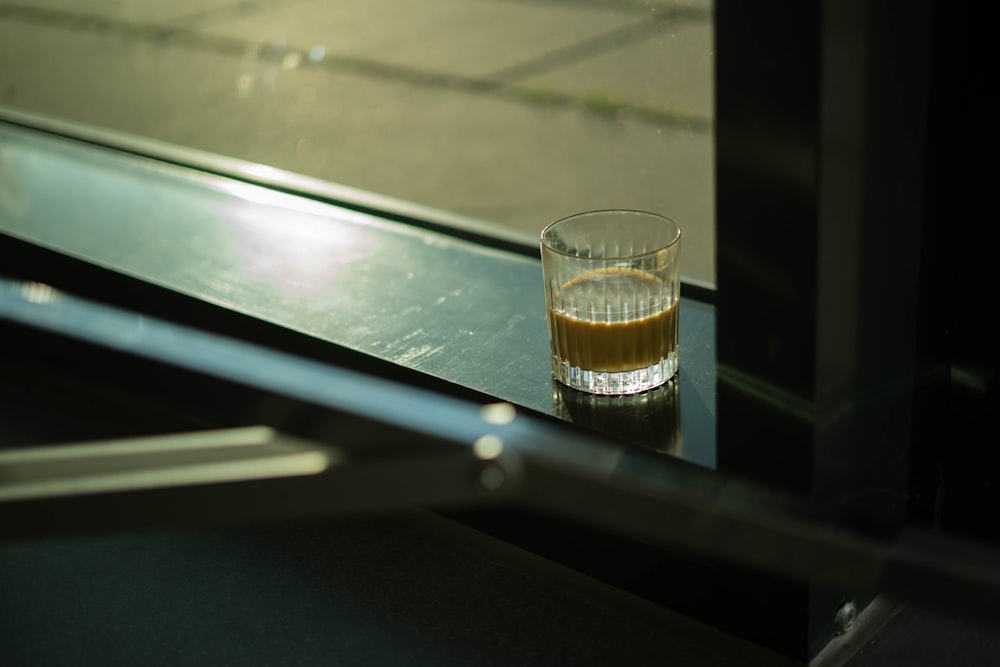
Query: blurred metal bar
x,y
240,475
737,523
183,459
474,454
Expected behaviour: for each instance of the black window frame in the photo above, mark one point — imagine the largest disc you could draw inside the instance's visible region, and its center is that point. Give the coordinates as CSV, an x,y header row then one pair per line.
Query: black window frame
x,y
843,236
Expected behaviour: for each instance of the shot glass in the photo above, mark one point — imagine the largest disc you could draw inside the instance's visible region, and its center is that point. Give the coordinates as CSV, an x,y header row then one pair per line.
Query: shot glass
x,y
612,289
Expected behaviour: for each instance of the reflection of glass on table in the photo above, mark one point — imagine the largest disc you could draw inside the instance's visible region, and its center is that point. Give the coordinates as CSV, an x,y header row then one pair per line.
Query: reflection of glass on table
x,y
651,419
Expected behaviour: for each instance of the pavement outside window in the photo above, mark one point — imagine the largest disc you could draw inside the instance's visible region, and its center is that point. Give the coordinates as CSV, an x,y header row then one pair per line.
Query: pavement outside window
x,y
515,112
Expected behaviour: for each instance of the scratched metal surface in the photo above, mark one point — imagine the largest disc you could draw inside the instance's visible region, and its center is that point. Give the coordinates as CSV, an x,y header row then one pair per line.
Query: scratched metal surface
x,y
450,308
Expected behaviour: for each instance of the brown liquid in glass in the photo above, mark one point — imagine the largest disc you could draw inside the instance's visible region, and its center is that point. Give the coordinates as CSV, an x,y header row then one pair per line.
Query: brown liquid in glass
x,y
613,346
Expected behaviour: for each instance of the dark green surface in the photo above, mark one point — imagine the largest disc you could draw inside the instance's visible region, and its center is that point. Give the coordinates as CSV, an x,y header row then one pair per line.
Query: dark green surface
x,y
381,590
450,309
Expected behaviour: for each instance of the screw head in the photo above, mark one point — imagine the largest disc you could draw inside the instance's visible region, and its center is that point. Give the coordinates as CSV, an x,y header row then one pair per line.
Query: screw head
x,y
844,620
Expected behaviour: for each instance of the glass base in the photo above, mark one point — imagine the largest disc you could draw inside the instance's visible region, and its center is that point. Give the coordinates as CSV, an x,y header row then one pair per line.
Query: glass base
x,y
615,383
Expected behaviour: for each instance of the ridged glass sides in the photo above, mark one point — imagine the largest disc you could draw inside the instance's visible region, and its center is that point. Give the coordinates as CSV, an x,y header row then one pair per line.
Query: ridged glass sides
x,y
613,317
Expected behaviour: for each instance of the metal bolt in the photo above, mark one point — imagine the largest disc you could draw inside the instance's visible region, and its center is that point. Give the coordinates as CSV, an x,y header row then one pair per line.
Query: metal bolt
x,y
844,620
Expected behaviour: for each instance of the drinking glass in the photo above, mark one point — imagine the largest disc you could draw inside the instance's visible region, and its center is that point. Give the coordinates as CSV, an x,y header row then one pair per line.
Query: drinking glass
x,y
612,289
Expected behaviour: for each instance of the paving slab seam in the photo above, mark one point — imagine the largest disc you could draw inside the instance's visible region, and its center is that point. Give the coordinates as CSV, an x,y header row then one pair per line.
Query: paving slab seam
x,y
502,85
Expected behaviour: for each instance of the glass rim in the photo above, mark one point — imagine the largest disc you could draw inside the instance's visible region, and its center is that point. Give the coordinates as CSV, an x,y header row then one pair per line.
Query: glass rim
x,y
676,239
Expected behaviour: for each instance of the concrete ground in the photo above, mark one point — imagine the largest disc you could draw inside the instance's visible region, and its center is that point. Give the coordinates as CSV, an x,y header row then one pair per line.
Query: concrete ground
x,y
515,112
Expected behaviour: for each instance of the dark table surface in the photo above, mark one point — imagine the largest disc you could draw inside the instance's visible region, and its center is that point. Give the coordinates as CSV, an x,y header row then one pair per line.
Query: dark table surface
x,y
467,314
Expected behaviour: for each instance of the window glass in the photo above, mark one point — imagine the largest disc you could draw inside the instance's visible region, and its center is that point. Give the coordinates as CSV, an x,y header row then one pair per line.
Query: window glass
x,y
513,112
